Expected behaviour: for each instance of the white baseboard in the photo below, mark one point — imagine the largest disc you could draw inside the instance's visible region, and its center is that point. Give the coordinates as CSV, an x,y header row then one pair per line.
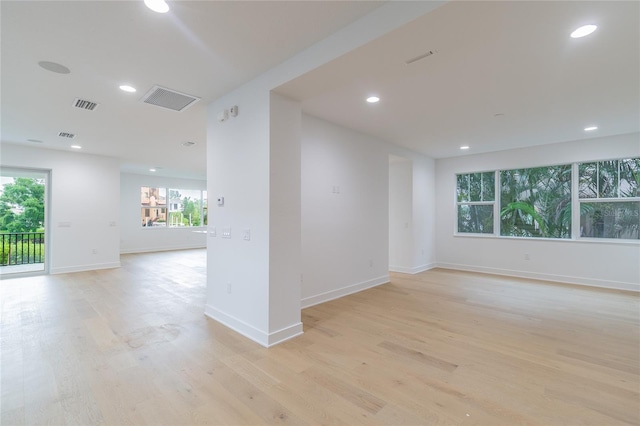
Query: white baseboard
x,y
265,339
344,291
414,270
166,248
83,268
615,285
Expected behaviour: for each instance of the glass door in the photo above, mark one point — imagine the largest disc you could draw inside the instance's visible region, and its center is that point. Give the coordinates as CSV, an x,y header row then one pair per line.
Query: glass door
x,y
23,234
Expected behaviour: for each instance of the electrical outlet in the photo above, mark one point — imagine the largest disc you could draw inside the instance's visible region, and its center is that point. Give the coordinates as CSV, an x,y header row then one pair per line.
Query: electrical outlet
x,y
246,235
527,257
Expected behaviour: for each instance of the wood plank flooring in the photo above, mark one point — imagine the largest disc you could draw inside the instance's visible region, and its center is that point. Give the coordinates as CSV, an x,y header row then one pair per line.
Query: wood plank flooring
x,y
132,346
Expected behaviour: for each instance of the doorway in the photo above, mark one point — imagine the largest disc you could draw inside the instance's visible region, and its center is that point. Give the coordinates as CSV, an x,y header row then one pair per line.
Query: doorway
x,y
23,230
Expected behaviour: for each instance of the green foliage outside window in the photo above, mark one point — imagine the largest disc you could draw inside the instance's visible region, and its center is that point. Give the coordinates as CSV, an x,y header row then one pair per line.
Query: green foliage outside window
x,y
536,202
475,195
606,190
22,205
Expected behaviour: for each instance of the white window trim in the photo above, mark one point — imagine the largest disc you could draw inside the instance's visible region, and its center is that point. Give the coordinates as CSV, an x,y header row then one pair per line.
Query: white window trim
x,y
575,211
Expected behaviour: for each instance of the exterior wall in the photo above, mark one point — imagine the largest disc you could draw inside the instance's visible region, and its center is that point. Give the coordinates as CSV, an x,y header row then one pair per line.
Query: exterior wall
x,y
135,238
83,212
614,264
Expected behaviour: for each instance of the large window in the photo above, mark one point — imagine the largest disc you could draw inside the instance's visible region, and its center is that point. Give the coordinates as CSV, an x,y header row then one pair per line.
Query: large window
x,y
476,196
609,193
538,202
182,208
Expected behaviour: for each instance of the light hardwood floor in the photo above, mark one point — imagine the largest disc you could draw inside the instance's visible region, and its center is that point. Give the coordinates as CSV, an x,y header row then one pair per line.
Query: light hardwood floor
x,y
132,346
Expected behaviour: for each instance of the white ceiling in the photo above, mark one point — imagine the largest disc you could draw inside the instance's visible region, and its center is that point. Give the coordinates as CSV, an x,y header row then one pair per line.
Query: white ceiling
x,y
202,48
512,58
492,57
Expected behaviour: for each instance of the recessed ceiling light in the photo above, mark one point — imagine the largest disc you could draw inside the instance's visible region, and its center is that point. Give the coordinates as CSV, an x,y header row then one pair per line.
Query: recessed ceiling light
x,y
373,99
54,67
76,147
152,170
590,128
159,6
126,88
464,147
584,30
34,140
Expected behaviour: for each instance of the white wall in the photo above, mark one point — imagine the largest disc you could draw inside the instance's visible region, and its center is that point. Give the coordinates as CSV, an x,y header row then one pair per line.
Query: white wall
x,y
607,264
85,194
238,170
284,218
137,239
345,211
424,207
239,167
400,214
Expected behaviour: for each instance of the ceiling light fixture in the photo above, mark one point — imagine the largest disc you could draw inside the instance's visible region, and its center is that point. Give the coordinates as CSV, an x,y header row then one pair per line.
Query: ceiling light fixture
x,y
152,170
126,88
373,99
76,147
159,6
590,128
464,147
584,30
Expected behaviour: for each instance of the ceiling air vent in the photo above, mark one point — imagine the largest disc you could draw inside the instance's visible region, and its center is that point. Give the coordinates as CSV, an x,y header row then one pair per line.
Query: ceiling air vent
x,y
84,104
66,135
170,99
188,144
420,57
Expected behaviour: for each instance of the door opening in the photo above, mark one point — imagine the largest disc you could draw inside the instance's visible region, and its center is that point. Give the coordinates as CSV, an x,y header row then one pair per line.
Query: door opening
x,y
23,230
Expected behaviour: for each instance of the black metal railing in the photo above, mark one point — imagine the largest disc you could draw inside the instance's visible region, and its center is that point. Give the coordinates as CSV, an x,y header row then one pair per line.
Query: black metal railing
x,y
20,248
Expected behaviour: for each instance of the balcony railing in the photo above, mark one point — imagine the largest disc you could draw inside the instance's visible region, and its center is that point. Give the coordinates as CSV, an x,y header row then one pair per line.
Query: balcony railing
x,y
21,248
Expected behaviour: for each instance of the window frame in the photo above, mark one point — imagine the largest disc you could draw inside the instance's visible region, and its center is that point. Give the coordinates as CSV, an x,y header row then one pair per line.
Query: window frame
x,y
574,199
476,203
598,199
203,207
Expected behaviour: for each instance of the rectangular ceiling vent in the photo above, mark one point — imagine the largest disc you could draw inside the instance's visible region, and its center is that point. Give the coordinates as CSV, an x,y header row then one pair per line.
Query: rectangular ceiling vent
x,y
170,99
84,104
420,57
66,135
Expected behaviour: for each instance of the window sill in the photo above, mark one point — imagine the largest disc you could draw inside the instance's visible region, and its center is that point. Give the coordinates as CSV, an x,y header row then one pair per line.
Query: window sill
x,y
582,240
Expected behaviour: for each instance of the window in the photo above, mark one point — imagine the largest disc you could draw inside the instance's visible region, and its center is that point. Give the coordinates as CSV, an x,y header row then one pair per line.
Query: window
x,y
536,202
476,197
183,208
186,207
609,193
153,203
